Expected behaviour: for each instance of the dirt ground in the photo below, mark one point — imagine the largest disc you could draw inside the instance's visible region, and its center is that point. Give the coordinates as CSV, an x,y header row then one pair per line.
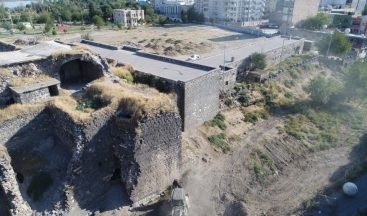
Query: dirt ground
x,y
214,180
179,41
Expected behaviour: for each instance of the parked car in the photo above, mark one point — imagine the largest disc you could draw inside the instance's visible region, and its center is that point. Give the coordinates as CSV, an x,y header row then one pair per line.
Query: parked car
x,y
193,58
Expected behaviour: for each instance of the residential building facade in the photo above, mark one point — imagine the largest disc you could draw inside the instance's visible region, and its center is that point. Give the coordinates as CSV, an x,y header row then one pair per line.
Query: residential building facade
x,y
128,17
295,11
235,12
359,25
359,5
333,3
172,8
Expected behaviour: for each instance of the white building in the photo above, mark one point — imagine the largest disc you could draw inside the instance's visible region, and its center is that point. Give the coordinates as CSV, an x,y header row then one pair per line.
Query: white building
x,y
359,5
128,17
172,8
333,3
237,12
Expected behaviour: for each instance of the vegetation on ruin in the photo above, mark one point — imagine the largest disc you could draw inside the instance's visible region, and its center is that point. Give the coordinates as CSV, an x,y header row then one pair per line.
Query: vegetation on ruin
x,y
124,73
22,81
15,110
136,102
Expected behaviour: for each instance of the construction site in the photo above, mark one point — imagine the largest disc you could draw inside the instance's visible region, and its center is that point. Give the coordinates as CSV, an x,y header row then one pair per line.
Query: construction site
x,y
112,128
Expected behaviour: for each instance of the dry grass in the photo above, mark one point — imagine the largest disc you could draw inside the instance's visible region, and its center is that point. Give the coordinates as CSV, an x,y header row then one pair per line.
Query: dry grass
x,y
68,105
5,72
16,110
124,72
61,54
29,80
135,103
81,47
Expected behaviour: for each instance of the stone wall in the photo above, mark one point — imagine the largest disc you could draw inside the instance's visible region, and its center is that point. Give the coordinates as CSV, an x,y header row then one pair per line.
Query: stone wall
x,y
201,99
5,47
51,66
158,153
147,152
272,57
32,96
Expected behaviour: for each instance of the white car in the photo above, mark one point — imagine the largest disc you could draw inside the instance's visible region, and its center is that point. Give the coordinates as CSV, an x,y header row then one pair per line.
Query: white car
x,y
193,58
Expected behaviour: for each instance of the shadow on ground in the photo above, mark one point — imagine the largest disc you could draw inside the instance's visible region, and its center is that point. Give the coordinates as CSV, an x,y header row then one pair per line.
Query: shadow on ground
x,y
333,201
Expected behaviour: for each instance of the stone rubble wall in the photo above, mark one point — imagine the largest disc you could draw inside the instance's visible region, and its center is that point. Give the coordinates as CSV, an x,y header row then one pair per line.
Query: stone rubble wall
x,y
158,153
5,47
32,96
201,99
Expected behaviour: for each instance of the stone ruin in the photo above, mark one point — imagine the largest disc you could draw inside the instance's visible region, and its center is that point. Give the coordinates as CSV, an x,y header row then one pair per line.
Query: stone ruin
x,y
56,162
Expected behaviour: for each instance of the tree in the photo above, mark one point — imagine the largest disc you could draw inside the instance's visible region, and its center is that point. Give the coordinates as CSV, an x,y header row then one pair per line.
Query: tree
x,y
338,46
7,26
162,20
257,61
356,81
44,17
20,27
322,90
48,26
342,21
316,22
119,25
98,21
66,15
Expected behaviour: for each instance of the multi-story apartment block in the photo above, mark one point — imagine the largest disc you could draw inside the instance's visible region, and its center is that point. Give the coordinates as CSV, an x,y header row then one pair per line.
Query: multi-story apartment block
x,y
295,11
128,17
359,25
359,5
334,3
237,12
172,8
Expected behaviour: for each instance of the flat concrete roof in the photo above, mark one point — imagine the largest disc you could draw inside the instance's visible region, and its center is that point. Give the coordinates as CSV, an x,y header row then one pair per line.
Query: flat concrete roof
x,y
243,52
148,65
35,86
32,53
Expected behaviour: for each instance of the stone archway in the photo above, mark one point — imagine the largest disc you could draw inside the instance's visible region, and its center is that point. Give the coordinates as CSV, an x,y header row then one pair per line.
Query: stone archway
x,y
77,71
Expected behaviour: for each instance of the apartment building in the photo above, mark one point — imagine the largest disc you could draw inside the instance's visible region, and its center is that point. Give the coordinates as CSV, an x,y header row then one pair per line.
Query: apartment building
x,y
333,3
172,8
236,12
294,11
359,25
359,5
128,17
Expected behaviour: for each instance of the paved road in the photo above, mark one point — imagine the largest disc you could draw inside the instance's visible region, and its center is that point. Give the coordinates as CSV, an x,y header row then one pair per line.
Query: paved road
x,y
159,68
217,58
32,53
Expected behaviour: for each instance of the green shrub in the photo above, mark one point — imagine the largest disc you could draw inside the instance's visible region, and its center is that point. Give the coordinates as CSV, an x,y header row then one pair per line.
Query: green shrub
x,y
54,32
40,183
263,164
219,141
250,117
243,99
218,121
228,102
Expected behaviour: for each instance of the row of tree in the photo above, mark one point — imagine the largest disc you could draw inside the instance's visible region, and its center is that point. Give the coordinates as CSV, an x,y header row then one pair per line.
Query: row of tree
x,y
324,91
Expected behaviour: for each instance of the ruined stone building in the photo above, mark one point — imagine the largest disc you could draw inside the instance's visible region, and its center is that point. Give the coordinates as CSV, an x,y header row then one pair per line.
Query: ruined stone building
x,y
58,159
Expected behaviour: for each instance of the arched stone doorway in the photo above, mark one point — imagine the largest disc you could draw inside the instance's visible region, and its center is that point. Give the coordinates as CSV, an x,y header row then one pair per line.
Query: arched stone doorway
x,y
78,72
